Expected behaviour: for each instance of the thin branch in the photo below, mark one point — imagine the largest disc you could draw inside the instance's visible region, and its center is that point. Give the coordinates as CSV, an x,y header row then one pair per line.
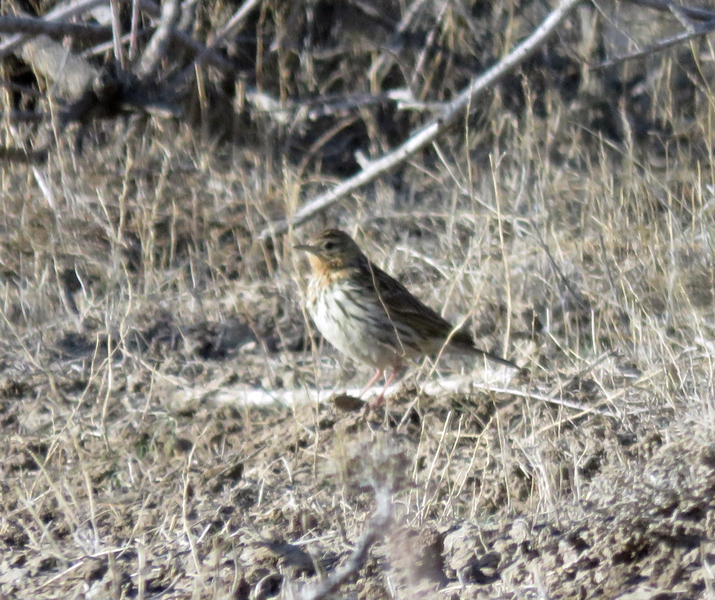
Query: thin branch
x,y
684,20
133,31
313,109
117,33
42,25
109,45
209,56
54,29
698,30
695,13
452,112
427,48
57,14
238,18
197,48
156,49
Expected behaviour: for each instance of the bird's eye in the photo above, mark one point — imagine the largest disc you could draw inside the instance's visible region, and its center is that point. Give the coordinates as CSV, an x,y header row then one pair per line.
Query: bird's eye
x,y
329,245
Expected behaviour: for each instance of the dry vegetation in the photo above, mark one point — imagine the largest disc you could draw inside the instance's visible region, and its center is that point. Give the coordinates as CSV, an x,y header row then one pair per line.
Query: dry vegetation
x,y
571,220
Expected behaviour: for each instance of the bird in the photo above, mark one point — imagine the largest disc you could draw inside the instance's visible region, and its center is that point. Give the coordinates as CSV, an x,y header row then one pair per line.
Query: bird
x,y
370,316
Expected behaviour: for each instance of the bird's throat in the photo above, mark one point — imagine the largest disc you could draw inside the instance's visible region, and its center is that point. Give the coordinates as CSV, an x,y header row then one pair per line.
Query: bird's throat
x,y
328,271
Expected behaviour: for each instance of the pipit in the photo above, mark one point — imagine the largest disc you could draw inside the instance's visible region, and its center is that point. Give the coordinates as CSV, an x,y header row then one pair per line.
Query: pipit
x,y
370,316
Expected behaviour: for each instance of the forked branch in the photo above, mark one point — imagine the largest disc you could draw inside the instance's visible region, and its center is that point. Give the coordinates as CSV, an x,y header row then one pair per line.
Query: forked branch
x,y
450,114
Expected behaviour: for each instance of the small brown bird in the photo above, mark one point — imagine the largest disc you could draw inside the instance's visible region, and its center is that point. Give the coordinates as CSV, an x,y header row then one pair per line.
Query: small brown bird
x,y
372,317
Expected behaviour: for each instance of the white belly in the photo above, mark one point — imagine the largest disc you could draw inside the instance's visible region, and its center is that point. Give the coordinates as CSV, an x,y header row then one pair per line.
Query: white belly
x,y
349,333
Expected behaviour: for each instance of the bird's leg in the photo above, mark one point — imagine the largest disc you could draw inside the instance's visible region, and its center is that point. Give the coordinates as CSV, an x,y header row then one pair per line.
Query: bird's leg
x,y
395,372
372,382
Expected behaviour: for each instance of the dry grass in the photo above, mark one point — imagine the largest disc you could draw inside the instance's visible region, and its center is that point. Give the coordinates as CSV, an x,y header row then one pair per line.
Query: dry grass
x,y
136,311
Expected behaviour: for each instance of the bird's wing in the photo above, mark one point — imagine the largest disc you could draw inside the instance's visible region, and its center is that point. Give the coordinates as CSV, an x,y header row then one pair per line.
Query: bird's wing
x,y
430,329
402,305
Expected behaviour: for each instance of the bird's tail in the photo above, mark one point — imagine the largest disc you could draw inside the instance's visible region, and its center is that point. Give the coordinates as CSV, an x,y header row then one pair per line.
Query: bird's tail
x,y
497,359
461,340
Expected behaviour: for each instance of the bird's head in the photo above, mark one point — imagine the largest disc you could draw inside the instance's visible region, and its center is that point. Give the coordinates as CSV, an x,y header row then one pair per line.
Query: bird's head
x,y
332,249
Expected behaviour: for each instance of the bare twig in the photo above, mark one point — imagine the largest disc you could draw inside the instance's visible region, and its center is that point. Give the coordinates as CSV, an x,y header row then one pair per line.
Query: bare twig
x,y
57,14
232,25
375,530
46,190
133,30
188,15
108,45
576,294
156,49
117,33
696,31
227,30
685,21
422,58
427,134
197,48
209,56
54,29
695,13
313,109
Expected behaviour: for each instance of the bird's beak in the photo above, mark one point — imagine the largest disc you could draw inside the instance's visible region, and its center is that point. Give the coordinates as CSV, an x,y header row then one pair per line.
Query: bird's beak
x,y
306,248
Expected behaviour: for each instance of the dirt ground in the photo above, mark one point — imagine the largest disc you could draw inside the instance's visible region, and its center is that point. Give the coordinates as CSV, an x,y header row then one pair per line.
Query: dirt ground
x,y
174,427
134,465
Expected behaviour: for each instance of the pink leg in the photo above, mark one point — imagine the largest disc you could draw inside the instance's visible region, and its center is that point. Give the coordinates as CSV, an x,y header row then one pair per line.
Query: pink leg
x,y
378,401
372,382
